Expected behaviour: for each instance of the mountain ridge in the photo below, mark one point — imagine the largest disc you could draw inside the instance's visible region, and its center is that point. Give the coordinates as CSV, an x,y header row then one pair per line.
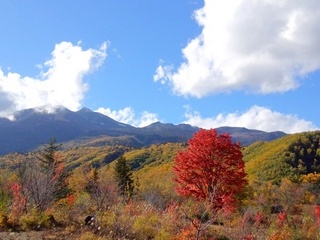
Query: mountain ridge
x,y
32,128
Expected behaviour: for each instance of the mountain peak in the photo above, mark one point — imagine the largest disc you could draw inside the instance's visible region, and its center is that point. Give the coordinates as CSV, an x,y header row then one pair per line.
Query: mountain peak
x,y
33,127
84,110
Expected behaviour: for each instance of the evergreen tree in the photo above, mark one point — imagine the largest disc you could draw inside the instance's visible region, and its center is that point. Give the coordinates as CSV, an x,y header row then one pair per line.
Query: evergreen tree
x,y
47,154
53,166
41,177
124,177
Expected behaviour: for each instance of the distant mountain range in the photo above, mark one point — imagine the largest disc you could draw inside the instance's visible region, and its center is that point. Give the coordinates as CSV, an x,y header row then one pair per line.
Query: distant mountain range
x,y
32,128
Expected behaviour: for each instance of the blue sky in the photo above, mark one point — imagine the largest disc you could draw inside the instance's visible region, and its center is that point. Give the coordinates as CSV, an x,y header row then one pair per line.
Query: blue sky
x,y
210,63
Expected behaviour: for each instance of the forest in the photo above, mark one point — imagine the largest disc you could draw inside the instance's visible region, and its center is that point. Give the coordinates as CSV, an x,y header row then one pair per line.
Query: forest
x,y
208,188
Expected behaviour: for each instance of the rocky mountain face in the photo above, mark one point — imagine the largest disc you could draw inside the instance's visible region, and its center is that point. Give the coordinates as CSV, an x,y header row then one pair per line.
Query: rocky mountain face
x,y
32,128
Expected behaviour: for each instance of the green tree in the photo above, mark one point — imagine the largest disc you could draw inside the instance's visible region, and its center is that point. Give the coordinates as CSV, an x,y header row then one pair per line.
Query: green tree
x,y
47,154
42,176
52,164
124,177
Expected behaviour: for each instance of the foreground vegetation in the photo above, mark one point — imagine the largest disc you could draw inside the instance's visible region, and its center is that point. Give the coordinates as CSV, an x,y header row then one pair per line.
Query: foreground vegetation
x,y
280,201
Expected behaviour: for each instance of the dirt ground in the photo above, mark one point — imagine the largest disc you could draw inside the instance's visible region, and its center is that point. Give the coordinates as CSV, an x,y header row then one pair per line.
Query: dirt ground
x,y
57,234
21,235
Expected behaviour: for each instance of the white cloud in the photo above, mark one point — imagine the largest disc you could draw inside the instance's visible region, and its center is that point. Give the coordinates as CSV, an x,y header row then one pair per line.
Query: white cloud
x,y
127,115
61,82
256,117
260,46
147,118
163,73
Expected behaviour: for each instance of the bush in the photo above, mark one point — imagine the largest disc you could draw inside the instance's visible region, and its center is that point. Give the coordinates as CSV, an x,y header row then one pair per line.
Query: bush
x,y
147,225
4,223
36,220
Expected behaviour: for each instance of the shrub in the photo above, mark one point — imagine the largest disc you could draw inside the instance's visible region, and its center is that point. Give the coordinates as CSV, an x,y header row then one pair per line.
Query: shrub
x,y
147,225
4,223
282,234
36,220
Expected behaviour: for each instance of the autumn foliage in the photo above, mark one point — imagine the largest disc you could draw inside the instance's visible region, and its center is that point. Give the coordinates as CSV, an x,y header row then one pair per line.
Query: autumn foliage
x,y
211,169
52,191
19,200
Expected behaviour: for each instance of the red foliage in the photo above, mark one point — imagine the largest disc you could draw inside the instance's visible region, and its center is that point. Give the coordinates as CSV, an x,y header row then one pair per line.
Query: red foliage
x,y
246,219
249,236
186,234
282,217
19,200
317,212
210,169
71,198
258,218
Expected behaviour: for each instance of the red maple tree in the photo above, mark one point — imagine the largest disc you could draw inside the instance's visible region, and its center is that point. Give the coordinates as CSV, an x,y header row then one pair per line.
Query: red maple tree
x,y
211,169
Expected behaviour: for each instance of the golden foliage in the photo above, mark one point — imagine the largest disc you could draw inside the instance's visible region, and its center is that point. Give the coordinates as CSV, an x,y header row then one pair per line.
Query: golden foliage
x,y
269,161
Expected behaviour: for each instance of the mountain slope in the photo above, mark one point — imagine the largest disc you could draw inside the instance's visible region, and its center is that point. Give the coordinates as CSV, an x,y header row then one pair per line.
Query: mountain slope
x,y
287,156
32,128
248,136
264,161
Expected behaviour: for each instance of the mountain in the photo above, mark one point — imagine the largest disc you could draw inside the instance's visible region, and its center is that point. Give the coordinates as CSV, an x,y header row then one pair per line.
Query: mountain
x,y
32,128
248,136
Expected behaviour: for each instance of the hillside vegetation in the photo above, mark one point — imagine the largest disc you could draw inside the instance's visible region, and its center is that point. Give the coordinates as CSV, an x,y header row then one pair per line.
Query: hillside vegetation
x,y
288,156
281,200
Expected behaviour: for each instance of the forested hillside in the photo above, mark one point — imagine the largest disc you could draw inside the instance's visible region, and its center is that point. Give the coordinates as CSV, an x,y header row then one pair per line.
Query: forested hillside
x,y
289,156
38,192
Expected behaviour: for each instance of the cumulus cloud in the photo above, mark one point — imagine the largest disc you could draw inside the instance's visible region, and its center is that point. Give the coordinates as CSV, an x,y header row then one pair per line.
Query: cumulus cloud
x,y
61,81
128,116
256,117
260,46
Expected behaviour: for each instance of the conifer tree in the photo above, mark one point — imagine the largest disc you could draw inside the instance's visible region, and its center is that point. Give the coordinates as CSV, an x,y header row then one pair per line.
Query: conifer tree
x,y
124,177
42,177
47,153
52,164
